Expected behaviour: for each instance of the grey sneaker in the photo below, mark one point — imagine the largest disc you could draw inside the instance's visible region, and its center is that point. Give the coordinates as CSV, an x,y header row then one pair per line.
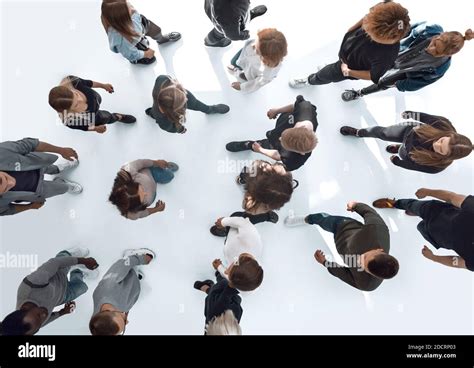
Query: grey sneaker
x,y
139,252
73,187
294,221
299,83
78,252
68,165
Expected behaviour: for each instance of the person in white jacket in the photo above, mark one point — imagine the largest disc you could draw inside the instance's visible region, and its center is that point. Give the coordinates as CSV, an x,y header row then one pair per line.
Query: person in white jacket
x,y
242,252
259,62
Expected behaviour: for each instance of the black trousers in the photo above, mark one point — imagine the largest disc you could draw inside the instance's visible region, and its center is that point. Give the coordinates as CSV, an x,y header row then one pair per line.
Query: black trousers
x,y
383,85
394,133
103,117
329,74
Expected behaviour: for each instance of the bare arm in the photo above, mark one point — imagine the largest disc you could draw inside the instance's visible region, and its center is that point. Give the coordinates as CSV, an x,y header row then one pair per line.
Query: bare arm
x,y
67,153
360,74
273,154
444,195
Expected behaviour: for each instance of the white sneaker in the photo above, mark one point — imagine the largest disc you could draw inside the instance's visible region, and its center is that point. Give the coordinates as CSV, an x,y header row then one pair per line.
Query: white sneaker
x,y
294,221
68,165
87,274
74,188
138,252
299,83
78,252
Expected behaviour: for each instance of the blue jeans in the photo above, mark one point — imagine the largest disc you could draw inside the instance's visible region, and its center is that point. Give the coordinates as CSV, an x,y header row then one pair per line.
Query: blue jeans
x,y
235,58
162,176
327,222
75,286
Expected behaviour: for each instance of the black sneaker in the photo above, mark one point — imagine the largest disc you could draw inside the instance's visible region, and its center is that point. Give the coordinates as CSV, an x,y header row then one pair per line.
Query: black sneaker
x,y
219,231
273,217
148,111
350,95
170,37
393,148
349,131
224,43
146,61
126,119
239,146
219,109
199,284
258,11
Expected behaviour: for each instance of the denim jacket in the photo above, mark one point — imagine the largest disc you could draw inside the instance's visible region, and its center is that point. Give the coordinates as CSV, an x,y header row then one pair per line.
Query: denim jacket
x,y
121,45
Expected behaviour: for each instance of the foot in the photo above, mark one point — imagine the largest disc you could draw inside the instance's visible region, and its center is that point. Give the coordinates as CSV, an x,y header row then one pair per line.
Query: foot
x,y
219,109
384,203
239,146
258,11
224,43
68,165
126,119
299,83
273,217
199,285
170,37
139,252
78,252
350,95
393,148
349,131
73,187
220,232
145,61
294,221
148,111
173,167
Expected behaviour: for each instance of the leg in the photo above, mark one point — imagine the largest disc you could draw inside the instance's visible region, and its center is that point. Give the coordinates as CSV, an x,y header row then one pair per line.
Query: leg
x,y
234,60
394,133
217,39
54,188
75,287
329,74
419,208
196,105
382,85
327,222
103,117
162,176
155,32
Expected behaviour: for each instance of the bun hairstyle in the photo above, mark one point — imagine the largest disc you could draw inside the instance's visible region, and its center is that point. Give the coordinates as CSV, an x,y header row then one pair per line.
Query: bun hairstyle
x,y
172,100
453,42
125,194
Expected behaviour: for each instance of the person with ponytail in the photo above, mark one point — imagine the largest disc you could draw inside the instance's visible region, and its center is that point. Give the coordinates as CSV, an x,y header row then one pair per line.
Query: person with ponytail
x,y
127,31
424,58
78,105
427,143
134,189
171,101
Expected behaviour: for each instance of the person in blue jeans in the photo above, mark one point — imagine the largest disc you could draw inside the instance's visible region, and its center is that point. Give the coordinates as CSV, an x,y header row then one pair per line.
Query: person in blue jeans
x,y
49,287
134,189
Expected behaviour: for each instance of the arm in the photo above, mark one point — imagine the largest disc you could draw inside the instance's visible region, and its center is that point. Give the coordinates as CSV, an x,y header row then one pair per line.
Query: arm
x,y
413,166
450,261
443,195
134,167
22,147
360,74
43,274
238,223
121,45
65,152
371,217
342,273
273,154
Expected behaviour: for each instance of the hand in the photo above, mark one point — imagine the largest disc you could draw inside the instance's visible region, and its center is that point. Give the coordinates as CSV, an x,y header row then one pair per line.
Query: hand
x,y
216,264
256,147
345,70
236,86
219,223
148,259
37,205
162,164
423,193
90,263
272,113
149,54
320,257
183,131
351,206
68,308
160,206
68,153
427,252
101,129
108,87
394,158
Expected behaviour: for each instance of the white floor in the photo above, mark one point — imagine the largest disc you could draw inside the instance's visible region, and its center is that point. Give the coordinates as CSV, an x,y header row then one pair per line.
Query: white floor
x,y
43,41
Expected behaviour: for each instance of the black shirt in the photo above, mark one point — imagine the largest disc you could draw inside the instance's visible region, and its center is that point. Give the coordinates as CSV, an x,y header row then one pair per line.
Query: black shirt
x,y
452,228
93,101
26,181
222,298
303,111
359,52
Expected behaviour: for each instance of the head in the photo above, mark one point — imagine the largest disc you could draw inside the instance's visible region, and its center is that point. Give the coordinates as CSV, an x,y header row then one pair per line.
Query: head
x,y
387,23
7,182
245,274
118,15
271,46
108,323
224,325
65,98
300,140
449,43
172,101
127,195
26,321
271,186
448,145
381,265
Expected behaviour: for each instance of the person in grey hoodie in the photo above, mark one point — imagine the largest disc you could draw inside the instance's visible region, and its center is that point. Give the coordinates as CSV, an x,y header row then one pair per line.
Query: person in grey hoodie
x,y
118,292
364,247
47,288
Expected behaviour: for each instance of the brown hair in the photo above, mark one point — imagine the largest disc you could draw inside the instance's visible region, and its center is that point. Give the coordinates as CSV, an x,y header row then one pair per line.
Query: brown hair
x,y
103,324
460,146
299,140
61,97
247,275
388,21
272,46
453,42
116,14
384,266
125,194
172,99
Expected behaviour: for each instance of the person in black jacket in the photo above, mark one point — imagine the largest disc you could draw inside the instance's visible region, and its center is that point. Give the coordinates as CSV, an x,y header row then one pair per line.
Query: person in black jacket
x,y
428,143
292,141
230,18
222,310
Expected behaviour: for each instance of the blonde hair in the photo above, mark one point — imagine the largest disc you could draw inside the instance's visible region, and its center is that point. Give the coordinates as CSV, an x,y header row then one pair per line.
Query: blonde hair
x,y
453,42
272,46
224,325
300,140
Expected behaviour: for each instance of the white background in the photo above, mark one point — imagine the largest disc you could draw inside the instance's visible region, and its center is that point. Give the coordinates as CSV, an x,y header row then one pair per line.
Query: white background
x,y
43,41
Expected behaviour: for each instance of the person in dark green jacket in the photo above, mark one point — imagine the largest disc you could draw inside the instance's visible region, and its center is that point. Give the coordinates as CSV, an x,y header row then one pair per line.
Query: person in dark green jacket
x,y
364,247
170,102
